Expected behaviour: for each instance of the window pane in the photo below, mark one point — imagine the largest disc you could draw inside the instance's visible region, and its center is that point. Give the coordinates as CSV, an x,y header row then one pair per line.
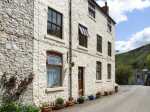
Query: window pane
x,y
53,28
99,43
83,30
58,31
59,19
54,76
54,60
109,71
54,23
83,41
49,27
98,70
50,15
91,9
109,49
83,36
54,17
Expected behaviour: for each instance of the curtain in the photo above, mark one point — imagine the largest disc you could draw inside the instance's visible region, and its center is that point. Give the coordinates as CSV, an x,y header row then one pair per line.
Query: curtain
x,y
54,76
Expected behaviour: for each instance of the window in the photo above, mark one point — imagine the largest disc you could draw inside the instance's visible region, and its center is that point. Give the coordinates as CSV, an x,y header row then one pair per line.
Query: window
x,y
109,49
109,71
91,7
54,69
98,70
54,23
109,26
99,43
83,35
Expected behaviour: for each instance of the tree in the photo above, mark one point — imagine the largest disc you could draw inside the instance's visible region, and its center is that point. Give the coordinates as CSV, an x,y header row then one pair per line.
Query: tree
x,y
12,88
123,74
148,61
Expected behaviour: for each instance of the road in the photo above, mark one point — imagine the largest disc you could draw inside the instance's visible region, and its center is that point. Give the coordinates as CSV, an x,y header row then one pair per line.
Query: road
x,y
129,99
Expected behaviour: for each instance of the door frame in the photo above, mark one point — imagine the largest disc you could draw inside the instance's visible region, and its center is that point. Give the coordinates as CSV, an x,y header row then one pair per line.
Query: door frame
x,y
83,80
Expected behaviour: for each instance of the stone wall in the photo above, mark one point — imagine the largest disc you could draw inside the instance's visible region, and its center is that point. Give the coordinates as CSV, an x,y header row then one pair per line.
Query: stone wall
x,y
23,20
16,40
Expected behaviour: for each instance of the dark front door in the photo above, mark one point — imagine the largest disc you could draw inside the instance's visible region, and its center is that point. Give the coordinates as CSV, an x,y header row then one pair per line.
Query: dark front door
x,y
81,80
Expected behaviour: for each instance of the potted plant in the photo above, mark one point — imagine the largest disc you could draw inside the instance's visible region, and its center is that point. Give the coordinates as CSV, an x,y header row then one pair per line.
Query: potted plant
x,y
59,103
110,93
91,97
116,89
105,93
81,100
98,95
46,108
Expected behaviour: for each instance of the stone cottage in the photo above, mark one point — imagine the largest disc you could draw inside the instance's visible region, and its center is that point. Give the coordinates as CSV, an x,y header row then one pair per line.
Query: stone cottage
x,y
35,37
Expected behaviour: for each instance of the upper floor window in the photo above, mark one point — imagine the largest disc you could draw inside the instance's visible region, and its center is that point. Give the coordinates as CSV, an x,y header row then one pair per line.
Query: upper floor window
x,y
99,43
109,49
109,71
91,8
54,23
98,70
83,36
54,69
109,25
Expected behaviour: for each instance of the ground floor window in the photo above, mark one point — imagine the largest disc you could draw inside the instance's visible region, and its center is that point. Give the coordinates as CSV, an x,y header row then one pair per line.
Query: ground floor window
x,y
54,69
98,70
109,71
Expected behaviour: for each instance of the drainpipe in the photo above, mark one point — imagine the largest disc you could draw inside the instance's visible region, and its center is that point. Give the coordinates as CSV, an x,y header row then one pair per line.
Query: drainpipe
x,y
70,49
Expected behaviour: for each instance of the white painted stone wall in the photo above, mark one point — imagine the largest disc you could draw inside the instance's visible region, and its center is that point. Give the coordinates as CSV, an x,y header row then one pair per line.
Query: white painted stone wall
x,y
86,58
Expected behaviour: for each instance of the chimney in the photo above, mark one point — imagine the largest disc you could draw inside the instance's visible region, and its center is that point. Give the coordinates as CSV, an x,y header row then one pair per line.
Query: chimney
x,y
105,8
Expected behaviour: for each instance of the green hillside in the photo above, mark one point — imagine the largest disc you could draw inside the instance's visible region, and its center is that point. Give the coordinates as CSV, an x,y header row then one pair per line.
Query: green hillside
x,y
130,63
136,58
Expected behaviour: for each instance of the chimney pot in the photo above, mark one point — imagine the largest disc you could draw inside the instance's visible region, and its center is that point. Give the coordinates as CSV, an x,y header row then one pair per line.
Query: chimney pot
x,y
106,8
105,3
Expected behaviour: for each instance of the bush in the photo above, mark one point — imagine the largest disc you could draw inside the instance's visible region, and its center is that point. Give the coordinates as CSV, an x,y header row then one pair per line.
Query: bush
x,y
15,107
91,97
81,100
10,107
29,108
59,101
123,74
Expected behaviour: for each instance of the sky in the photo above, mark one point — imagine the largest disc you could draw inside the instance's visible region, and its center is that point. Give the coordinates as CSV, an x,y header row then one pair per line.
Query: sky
x,y
133,22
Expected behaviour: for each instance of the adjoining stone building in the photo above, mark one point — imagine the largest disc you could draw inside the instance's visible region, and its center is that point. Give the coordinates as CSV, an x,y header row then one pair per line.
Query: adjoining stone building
x,y
16,40
34,37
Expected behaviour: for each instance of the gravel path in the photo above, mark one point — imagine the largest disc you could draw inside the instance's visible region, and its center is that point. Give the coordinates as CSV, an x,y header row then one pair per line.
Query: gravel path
x,y
129,99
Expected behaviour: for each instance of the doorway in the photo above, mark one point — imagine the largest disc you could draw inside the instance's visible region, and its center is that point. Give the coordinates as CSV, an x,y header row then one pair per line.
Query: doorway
x,y
81,81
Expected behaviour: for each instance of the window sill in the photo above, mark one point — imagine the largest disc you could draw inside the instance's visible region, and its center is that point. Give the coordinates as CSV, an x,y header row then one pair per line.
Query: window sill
x,y
109,32
94,19
82,48
99,81
109,80
54,89
53,38
99,53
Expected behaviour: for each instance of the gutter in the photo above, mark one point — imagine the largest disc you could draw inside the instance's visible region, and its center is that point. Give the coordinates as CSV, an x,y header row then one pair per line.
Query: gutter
x,y
70,49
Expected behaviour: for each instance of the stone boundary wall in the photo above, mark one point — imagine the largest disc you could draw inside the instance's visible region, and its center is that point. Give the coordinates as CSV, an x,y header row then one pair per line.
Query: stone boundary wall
x,y
16,40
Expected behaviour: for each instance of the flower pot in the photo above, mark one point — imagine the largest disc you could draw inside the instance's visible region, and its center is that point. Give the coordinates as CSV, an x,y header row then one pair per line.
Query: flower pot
x,y
69,103
81,100
58,107
46,109
91,97
98,95
110,93
116,89
105,93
